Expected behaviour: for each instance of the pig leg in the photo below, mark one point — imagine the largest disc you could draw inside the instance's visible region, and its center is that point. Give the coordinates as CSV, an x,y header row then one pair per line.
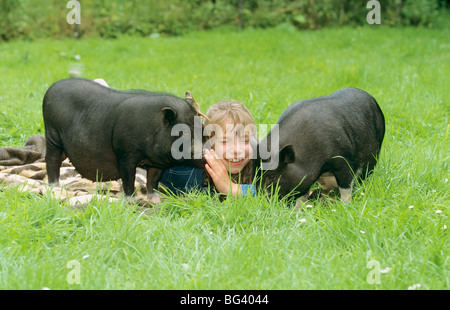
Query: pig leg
x,y
328,181
127,172
53,158
346,193
153,177
345,181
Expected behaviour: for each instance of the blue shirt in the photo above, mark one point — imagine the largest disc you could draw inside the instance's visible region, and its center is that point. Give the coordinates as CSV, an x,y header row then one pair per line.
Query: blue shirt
x,y
181,179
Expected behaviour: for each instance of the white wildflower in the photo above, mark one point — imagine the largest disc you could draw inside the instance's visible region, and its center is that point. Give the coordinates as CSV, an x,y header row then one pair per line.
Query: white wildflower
x,y
185,267
385,270
414,287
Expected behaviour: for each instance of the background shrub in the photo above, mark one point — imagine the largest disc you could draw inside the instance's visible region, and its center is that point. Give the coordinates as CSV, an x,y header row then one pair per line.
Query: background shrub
x,y
33,19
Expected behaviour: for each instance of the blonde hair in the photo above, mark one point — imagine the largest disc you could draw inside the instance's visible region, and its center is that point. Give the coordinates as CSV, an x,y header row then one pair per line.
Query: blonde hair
x,y
222,111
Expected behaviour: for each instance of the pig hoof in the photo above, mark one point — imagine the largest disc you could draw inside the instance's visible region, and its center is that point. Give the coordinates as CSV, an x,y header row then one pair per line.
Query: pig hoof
x,y
53,184
144,204
129,198
299,204
346,194
153,198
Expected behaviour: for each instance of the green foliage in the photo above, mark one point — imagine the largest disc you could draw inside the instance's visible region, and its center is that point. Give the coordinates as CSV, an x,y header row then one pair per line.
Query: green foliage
x,y
417,12
36,19
399,217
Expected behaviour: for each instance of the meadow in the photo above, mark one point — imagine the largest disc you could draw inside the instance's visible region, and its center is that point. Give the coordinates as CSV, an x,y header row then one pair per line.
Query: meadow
x,y
392,235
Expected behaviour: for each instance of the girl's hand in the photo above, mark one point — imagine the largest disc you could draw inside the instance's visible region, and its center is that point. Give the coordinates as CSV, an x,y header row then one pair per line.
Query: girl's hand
x,y
219,174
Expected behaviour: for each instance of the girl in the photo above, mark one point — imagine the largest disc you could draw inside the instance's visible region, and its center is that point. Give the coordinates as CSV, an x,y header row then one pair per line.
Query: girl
x,y
232,137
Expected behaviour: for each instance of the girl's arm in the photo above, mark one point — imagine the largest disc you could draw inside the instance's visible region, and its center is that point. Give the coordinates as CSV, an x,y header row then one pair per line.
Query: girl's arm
x,y
221,179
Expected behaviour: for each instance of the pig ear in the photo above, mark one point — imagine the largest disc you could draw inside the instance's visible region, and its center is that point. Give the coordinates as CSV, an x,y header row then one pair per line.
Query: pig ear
x,y
287,154
170,115
189,98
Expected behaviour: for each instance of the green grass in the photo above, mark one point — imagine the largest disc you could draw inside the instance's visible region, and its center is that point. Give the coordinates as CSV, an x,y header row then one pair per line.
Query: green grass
x,y
251,243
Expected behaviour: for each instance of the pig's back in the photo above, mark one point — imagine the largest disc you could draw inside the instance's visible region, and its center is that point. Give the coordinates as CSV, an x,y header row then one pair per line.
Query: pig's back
x,y
349,119
65,99
350,107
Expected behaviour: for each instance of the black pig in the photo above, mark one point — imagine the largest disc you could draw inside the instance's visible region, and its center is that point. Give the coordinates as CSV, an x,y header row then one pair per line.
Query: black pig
x,y
107,133
332,139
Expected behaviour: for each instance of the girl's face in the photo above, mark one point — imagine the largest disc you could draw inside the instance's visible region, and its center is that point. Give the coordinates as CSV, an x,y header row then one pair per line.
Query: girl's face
x,y
233,147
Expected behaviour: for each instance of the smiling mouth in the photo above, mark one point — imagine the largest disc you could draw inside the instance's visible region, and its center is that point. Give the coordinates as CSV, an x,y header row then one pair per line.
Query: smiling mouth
x,y
235,162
